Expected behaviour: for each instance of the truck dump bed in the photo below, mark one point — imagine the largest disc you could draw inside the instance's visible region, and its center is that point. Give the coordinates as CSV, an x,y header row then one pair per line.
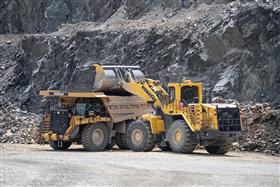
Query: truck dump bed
x,y
119,108
122,108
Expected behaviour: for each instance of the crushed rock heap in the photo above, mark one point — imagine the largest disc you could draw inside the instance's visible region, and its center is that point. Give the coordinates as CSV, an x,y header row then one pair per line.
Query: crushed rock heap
x,y
18,126
263,125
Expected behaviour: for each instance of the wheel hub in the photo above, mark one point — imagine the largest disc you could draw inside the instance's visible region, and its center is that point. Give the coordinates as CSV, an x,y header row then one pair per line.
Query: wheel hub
x,y
97,136
178,135
137,137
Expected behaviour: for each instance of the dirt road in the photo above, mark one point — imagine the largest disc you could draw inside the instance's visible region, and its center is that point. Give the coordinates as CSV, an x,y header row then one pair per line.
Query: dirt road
x,y
34,165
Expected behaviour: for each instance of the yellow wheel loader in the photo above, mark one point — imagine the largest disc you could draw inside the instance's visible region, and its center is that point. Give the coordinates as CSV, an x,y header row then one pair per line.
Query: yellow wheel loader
x,y
180,120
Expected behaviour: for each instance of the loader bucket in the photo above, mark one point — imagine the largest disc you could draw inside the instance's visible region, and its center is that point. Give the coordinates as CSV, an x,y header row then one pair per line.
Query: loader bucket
x,y
110,78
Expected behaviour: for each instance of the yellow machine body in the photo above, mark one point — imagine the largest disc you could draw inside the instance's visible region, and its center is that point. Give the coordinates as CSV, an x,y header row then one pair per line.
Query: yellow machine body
x,y
197,115
129,98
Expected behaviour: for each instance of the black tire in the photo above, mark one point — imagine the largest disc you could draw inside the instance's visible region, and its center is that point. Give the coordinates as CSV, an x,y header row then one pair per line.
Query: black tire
x,y
98,131
145,142
218,150
65,145
164,146
121,141
185,141
111,145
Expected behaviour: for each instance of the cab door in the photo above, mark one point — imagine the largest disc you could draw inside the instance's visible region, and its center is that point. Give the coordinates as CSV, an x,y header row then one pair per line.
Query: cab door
x,y
192,104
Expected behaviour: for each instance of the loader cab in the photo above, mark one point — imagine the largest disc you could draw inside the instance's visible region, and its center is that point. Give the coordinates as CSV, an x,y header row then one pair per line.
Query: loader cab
x,y
186,92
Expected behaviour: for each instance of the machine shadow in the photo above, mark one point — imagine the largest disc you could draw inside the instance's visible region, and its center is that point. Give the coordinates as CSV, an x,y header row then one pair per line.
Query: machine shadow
x,y
198,154
78,149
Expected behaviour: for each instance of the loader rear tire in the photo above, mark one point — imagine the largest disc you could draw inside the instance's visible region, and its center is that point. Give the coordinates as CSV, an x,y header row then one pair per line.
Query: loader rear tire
x,y
122,141
95,137
65,145
218,150
140,137
181,137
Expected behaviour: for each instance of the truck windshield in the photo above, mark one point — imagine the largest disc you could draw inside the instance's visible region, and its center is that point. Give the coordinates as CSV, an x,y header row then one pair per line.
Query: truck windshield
x,y
189,94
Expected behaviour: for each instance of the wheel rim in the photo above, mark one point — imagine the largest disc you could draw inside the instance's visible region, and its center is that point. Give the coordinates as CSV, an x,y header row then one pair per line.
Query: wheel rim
x,y
178,136
137,137
97,136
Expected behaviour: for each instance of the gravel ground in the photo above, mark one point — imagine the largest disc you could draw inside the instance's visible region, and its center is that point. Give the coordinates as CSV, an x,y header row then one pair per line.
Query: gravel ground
x,y
36,165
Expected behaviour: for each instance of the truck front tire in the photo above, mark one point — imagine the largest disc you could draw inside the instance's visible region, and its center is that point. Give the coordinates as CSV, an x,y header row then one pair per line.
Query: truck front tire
x,y
95,137
140,137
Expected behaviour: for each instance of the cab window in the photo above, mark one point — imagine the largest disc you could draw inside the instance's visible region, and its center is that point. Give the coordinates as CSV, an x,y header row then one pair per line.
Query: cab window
x,y
189,94
171,93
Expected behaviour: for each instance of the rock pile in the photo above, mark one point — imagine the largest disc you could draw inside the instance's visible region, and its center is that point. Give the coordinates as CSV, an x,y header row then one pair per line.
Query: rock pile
x,y
263,125
17,126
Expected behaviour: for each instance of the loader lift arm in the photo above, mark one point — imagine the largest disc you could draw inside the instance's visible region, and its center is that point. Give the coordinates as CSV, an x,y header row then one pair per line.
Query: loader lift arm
x,y
148,89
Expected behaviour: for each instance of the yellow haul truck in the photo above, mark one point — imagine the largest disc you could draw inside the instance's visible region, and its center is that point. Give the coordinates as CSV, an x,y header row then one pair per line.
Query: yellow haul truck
x,y
95,119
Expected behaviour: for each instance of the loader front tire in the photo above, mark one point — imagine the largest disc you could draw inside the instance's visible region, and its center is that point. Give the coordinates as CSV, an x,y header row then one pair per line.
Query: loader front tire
x,y
140,137
95,137
181,137
218,150
64,145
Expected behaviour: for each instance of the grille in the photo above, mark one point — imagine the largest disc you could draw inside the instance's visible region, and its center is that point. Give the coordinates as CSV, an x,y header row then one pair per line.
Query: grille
x,y
229,119
45,128
45,125
59,121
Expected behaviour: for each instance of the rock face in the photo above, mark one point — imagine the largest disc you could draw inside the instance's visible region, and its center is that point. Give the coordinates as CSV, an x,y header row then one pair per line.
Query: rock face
x,y
33,16
232,48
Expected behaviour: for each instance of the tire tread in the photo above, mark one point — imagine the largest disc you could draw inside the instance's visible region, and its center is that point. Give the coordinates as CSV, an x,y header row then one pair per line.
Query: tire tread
x,y
150,144
189,145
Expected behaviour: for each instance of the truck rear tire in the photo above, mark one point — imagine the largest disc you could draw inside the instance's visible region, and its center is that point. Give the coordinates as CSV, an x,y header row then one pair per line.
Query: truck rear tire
x,y
218,150
140,137
65,145
121,141
181,139
95,137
